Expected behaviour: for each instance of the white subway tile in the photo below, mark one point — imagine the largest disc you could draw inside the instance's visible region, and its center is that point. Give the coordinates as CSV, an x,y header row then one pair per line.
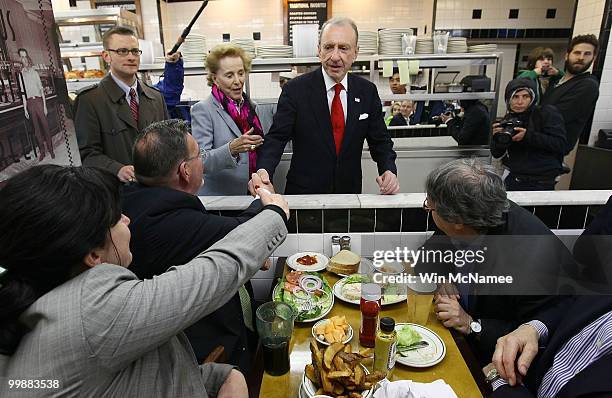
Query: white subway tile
x,y
310,242
288,247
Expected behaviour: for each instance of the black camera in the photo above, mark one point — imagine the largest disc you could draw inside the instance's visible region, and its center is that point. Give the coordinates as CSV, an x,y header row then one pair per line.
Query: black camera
x,y
504,137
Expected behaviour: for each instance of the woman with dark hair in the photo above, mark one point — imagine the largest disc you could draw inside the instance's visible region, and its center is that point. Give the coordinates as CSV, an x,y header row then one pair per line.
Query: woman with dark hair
x,y
541,69
76,321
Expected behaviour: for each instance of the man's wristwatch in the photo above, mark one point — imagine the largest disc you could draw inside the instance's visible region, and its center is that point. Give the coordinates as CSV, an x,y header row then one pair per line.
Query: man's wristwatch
x,y
475,327
491,376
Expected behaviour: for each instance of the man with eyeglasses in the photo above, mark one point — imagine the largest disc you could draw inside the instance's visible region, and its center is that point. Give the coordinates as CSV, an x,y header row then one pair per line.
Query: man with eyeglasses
x,y
109,115
170,226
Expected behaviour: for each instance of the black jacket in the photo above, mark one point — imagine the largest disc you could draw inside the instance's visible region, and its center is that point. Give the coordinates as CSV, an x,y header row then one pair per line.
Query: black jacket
x,y
171,227
564,321
575,100
524,248
400,120
303,117
475,126
540,153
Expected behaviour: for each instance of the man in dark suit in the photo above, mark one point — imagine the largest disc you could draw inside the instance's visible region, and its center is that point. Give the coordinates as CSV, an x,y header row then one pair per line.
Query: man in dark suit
x,y
467,202
109,115
170,226
328,114
575,357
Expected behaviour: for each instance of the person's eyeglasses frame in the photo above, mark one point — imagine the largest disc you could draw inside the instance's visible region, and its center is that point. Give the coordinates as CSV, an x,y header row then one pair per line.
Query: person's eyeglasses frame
x,y
426,206
123,52
201,154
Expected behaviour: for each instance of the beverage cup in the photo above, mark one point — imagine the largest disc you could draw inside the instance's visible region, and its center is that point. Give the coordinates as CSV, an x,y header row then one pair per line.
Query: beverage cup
x,y
275,325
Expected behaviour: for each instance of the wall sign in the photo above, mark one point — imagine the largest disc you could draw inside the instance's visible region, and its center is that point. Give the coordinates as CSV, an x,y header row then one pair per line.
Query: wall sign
x,y
297,12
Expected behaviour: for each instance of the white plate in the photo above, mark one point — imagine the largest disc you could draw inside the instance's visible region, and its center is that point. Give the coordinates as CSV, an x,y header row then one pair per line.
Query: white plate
x,y
349,334
320,265
322,315
337,289
310,389
423,357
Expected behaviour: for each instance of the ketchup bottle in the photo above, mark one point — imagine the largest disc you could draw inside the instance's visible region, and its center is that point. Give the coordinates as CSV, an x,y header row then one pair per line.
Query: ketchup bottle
x,y
370,308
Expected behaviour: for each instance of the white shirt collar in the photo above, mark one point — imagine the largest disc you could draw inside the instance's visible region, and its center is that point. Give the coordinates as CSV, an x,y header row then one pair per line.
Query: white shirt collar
x,y
125,87
330,83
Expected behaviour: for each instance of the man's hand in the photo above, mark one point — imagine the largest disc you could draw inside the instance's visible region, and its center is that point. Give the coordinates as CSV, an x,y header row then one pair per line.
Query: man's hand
x,y
45,110
25,111
448,290
449,311
268,198
266,265
126,174
445,117
388,183
234,386
174,58
261,179
523,341
246,142
520,134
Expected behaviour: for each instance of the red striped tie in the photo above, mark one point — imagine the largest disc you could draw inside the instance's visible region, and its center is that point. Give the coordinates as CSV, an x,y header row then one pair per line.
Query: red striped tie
x,y
134,104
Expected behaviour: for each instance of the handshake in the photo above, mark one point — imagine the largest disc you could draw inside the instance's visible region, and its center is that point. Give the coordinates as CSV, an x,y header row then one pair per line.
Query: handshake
x,y
261,187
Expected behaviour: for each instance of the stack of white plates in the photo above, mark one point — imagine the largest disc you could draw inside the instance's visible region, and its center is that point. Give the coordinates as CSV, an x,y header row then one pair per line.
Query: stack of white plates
x,y
483,48
457,45
390,40
194,48
274,51
368,42
424,45
248,45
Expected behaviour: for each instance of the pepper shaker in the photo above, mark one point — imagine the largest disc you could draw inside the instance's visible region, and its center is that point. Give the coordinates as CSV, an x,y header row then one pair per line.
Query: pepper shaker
x,y
345,243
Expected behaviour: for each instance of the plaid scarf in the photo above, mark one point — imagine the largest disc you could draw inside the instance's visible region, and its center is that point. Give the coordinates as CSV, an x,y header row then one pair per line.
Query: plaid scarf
x,y
245,118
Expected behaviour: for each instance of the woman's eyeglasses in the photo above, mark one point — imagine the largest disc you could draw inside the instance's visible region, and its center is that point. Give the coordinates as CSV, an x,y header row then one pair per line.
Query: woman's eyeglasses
x,y
122,52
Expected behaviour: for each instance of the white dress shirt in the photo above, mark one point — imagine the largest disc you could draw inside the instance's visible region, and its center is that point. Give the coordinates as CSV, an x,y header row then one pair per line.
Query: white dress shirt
x,y
127,88
33,85
331,91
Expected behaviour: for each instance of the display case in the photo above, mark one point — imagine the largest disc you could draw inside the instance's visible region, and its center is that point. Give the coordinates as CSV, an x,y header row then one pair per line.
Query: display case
x,y
83,73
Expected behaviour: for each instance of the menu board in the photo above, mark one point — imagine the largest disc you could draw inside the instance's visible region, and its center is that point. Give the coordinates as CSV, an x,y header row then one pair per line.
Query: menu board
x,y
299,12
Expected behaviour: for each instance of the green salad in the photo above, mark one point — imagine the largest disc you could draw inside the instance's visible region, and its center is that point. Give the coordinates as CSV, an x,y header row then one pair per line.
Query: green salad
x,y
299,287
407,336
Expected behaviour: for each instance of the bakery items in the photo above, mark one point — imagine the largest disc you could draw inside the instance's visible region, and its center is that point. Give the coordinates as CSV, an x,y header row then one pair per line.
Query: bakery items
x,y
344,263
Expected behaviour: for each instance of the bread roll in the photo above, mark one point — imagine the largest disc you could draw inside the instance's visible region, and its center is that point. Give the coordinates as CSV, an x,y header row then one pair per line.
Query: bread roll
x,y
345,262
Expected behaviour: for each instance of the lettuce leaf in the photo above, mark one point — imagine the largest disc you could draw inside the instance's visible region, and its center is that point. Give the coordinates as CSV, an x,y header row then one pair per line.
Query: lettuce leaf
x,y
407,336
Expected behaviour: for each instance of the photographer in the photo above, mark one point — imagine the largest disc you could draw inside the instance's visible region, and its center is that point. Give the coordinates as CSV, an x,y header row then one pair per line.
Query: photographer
x,y
473,127
530,139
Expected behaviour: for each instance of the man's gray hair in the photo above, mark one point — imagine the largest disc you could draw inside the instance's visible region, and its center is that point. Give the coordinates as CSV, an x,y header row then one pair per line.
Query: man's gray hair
x,y
468,191
159,150
340,21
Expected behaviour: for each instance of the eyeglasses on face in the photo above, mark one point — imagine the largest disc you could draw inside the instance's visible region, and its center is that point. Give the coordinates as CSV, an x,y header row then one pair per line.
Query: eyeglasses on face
x,y
426,206
122,52
201,154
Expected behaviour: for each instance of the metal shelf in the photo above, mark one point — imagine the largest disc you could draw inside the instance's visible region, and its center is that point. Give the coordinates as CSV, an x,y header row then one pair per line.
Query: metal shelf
x,y
439,96
76,50
94,16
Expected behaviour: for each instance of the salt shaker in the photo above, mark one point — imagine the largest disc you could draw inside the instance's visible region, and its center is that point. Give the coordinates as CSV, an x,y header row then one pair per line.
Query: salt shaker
x,y
335,245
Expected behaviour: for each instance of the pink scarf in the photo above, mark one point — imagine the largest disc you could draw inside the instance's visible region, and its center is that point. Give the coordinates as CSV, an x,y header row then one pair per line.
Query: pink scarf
x,y
245,118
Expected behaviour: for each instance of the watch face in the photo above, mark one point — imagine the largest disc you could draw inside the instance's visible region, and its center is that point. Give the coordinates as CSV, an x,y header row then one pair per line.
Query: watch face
x,y
476,327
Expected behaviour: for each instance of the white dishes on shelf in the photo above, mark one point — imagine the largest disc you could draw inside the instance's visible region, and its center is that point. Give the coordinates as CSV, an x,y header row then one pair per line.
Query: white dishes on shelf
x,y
368,42
194,48
482,48
390,40
274,51
457,45
248,45
424,45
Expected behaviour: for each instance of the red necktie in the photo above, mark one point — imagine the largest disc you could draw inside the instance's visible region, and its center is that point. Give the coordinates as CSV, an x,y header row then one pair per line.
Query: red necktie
x,y
337,118
134,104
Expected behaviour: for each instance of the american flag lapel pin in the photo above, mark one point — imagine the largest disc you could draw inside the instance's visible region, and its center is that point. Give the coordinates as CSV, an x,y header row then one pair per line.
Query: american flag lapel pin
x,y
357,99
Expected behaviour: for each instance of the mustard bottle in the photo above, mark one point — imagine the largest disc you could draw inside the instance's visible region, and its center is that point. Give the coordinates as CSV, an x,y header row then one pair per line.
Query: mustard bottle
x,y
385,347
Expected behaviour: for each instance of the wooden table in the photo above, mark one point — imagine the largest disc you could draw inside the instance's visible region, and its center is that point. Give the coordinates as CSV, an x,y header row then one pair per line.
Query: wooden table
x,y
453,369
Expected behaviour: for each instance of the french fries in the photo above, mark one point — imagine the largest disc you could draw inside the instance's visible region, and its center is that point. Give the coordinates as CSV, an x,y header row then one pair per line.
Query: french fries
x,y
337,371
334,330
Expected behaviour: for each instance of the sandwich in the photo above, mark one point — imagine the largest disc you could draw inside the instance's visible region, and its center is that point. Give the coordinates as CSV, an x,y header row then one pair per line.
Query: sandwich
x,y
344,263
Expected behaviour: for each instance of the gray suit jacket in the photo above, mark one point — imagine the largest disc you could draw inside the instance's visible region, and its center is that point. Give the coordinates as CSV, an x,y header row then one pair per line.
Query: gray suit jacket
x,y
105,333
214,128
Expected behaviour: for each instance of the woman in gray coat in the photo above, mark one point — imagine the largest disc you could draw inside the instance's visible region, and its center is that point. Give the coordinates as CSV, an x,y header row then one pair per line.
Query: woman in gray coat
x,y
226,125
76,322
